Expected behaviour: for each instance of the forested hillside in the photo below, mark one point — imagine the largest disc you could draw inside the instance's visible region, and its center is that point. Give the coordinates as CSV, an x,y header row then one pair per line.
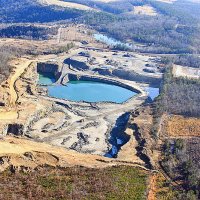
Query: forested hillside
x,y
175,28
31,11
27,32
180,96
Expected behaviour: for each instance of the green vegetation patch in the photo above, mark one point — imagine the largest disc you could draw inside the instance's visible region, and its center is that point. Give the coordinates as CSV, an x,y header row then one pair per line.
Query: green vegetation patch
x,y
76,183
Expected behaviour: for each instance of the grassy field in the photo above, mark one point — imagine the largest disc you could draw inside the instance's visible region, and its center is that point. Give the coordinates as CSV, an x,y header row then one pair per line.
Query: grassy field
x,y
75,183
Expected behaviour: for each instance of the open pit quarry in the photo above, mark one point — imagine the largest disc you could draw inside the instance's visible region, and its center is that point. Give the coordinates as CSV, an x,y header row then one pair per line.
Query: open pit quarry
x,y
86,130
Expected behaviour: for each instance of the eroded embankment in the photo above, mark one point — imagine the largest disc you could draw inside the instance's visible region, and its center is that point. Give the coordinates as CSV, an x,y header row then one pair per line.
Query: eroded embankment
x,y
18,154
13,78
140,124
9,110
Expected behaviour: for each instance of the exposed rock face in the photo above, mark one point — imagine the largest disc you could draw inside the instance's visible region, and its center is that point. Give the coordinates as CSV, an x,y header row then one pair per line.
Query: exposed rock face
x,y
104,72
82,140
132,76
2,104
141,124
49,67
15,129
75,77
76,64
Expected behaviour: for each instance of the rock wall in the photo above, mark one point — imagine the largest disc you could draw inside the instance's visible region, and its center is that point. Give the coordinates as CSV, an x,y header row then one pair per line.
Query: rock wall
x,y
74,77
48,67
141,123
133,76
76,64
15,129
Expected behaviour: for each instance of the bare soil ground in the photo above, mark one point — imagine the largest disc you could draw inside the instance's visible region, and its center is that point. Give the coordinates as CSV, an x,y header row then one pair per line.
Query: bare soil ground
x,y
152,187
26,154
187,72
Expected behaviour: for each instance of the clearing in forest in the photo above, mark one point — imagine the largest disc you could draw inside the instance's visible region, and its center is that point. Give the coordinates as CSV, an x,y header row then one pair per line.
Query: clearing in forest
x,y
144,10
188,72
186,127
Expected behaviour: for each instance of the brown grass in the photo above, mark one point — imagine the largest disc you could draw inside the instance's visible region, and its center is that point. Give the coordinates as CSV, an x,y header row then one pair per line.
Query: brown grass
x,y
163,191
179,126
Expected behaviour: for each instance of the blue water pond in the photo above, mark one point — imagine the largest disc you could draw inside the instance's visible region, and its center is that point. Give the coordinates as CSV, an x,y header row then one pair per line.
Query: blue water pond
x,y
46,79
152,92
90,92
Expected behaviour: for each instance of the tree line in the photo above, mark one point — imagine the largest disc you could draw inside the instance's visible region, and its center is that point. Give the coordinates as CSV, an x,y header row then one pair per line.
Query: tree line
x,y
179,96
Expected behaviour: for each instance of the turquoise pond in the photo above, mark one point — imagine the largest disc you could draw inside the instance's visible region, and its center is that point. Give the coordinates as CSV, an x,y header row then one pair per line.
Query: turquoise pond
x,y
90,92
46,79
86,91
